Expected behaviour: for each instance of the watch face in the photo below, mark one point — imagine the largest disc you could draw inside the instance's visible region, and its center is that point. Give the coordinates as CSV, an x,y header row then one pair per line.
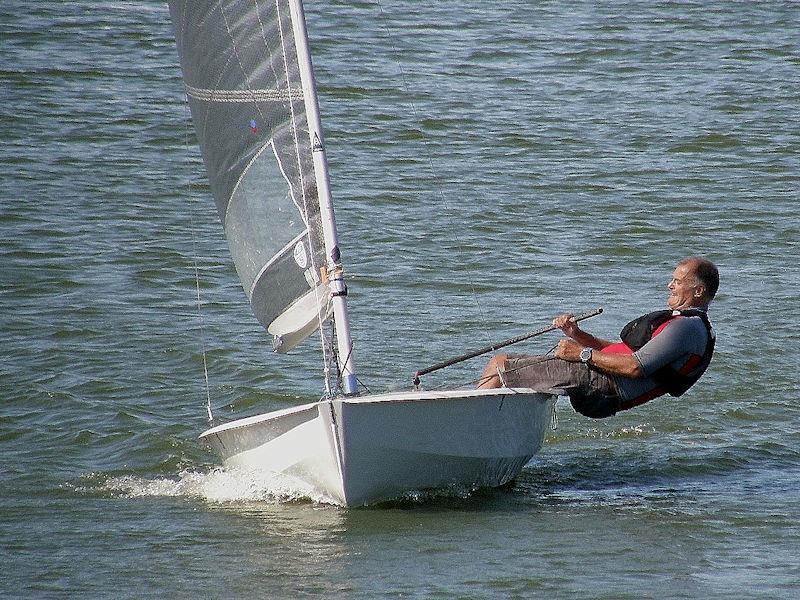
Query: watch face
x,y
586,354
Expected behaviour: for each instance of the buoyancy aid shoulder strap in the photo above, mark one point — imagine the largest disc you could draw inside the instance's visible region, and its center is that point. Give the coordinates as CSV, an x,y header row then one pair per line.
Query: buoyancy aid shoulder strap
x,y
640,331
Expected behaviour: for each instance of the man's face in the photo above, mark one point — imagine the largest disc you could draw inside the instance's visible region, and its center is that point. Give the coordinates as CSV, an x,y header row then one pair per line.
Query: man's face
x,y
683,289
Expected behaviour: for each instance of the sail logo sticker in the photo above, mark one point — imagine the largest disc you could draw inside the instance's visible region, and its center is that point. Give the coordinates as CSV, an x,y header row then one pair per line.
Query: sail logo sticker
x,y
253,127
317,145
300,256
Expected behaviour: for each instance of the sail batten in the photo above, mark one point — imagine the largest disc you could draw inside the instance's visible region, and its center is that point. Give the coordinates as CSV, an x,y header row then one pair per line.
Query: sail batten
x,y
245,92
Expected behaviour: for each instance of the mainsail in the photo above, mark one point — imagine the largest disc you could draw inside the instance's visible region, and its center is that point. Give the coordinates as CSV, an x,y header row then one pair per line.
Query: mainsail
x,y
240,67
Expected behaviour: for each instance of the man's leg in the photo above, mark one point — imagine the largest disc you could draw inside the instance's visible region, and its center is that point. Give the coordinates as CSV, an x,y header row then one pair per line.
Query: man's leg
x,y
591,393
537,372
490,378
543,373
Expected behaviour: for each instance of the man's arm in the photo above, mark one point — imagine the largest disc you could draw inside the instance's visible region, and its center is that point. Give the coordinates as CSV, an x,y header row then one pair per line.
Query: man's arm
x,y
681,338
624,365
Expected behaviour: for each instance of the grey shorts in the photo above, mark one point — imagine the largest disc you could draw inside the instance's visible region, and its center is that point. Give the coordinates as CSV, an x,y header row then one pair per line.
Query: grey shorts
x,y
592,393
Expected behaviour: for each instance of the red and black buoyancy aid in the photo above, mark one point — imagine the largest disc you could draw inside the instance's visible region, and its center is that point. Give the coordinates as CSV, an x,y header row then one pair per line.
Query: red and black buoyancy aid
x,y
640,331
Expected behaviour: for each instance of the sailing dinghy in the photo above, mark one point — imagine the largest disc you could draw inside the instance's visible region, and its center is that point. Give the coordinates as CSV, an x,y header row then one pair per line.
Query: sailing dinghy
x,y
251,90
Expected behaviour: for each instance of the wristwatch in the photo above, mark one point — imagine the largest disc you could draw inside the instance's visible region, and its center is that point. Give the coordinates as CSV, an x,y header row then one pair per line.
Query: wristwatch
x,y
586,355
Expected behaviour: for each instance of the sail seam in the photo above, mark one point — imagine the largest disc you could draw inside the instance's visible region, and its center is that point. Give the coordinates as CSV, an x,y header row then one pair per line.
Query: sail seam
x,y
244,96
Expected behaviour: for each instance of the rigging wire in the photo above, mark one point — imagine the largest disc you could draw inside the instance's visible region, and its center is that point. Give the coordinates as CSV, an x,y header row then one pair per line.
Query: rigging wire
x,y
195,261
437,183
202,330
344,362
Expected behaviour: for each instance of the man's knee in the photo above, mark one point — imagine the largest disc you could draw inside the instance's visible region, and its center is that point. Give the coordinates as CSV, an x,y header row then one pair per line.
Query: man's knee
x,y
491,377
499,360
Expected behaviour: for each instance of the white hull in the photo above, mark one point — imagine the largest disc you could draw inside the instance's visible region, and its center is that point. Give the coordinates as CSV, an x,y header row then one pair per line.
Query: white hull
x,y
363,450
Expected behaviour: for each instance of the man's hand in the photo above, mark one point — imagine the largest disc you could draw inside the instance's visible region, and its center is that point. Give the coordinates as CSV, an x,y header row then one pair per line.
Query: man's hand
x,y
568,350
585,340
566,324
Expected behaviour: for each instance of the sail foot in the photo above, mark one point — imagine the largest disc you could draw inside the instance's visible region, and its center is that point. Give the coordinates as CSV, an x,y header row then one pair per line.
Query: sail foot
x,y
300,319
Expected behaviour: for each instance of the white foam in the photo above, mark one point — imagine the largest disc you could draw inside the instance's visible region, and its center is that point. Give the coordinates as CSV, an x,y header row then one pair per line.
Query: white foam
x,y
220,485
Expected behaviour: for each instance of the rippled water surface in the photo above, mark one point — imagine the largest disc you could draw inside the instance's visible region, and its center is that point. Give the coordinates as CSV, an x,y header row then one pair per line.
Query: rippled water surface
x,y
492,165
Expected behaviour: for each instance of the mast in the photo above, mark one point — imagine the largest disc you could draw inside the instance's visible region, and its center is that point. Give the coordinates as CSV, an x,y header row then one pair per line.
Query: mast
x,y
335,271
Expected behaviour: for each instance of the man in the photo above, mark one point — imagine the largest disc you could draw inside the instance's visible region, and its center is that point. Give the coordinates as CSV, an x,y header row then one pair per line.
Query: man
x,y
661,352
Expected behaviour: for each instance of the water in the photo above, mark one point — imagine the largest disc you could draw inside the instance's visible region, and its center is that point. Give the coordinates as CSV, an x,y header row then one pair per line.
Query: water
x,y
492,165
